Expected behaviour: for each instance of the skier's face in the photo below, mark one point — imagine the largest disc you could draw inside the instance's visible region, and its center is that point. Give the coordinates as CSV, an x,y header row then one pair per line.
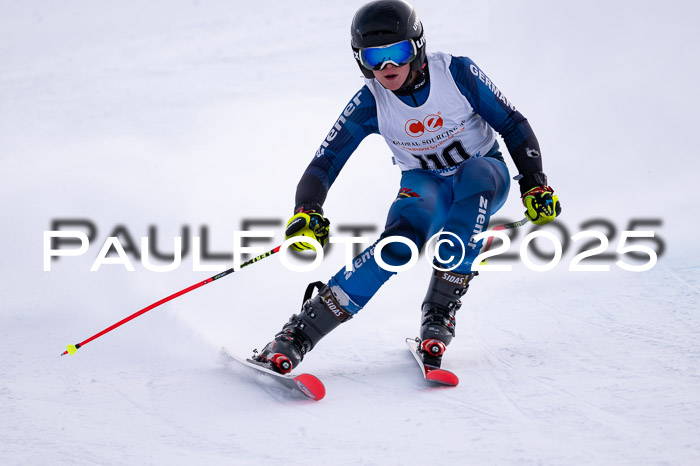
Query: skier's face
x,y
392,77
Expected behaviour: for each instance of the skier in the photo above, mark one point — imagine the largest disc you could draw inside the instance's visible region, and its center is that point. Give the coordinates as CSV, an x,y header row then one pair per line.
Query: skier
x,y
438,114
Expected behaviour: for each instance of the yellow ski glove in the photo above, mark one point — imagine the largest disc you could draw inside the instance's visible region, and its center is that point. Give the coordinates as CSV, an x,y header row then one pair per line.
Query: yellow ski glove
x,y
310,224
542,205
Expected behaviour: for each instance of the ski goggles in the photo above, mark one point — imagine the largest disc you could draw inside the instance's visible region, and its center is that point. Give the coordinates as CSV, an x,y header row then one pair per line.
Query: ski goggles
x,y
398,54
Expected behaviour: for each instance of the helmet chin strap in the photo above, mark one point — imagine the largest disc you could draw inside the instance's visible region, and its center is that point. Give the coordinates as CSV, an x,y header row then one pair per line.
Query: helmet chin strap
x,y
413,77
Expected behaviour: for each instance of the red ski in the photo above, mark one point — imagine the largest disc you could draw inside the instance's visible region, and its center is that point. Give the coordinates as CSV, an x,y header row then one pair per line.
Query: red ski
x,y
431,373
307,384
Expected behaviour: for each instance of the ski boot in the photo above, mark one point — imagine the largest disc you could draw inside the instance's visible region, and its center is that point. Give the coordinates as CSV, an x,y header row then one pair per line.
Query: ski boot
x,y
439,307
317,318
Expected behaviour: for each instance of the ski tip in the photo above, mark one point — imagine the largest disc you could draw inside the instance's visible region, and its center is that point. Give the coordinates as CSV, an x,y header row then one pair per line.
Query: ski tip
x,y
443,377
311,386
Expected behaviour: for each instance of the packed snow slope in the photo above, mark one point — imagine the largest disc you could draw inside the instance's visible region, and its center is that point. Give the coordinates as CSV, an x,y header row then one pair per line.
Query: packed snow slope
x,y
192,118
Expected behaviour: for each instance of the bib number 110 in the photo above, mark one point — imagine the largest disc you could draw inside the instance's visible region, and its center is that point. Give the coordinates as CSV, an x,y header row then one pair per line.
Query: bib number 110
x,y
451,156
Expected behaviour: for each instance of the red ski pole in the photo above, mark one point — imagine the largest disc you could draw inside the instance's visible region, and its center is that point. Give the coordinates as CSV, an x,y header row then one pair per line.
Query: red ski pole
x,y
73,348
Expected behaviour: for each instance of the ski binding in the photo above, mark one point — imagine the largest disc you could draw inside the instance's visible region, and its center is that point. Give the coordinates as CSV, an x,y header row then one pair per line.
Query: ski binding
x,y
307,384
431,373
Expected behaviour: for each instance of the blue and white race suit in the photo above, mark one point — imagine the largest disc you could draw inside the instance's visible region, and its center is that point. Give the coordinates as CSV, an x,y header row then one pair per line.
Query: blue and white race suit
x,y
441,136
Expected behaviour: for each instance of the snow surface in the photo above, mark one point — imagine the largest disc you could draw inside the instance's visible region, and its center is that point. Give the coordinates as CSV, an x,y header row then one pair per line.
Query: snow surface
x,y
205,113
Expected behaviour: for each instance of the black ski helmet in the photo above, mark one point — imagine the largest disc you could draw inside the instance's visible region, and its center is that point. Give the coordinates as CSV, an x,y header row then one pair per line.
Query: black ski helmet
x,y
383,22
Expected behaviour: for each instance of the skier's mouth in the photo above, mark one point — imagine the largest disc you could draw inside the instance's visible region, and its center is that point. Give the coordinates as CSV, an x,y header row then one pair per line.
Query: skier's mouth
x,y
391,77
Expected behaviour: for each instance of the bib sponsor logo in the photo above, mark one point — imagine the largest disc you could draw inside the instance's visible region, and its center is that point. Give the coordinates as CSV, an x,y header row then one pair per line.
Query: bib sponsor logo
x,y
432,123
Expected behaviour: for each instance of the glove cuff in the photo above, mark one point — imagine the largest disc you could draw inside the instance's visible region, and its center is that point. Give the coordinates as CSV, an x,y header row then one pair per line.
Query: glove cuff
x,y
306,207
532,180
539,190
